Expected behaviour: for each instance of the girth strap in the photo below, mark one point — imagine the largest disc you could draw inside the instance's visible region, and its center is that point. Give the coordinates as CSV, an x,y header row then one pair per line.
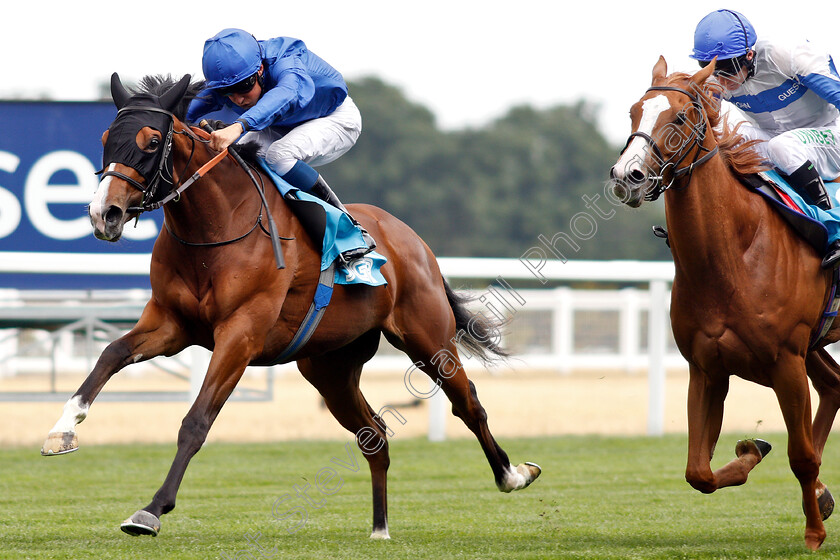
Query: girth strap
x,y
830,313
323,294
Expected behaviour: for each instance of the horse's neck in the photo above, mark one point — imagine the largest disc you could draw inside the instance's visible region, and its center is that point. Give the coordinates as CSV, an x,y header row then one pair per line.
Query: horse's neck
x,y
710,221
213,202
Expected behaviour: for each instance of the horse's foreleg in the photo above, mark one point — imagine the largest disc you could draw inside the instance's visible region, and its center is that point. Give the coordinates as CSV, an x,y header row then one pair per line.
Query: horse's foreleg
x,y
229,360
705,417
793,394
825,375
155,334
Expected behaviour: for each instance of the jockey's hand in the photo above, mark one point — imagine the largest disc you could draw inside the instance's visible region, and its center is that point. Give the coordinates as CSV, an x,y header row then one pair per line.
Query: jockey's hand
x,y
222,138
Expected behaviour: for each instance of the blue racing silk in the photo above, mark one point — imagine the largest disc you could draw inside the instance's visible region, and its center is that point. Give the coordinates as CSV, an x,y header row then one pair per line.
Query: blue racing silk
x,y
793,87
298,86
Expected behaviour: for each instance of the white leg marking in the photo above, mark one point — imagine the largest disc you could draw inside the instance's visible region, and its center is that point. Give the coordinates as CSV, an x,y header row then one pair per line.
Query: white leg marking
x,y
74,413
519,477
637,152
513,480
381,534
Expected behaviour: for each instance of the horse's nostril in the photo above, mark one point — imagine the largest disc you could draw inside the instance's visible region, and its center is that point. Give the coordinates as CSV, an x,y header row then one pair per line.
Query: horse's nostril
x,y
113,215
636,177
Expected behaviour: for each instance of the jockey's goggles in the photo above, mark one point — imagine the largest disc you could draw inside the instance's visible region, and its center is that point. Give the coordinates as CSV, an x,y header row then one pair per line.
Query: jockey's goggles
x,y
242,87
728,67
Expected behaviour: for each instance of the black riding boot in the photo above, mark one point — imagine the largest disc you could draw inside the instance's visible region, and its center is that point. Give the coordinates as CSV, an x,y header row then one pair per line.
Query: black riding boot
x,y
807,181
323,191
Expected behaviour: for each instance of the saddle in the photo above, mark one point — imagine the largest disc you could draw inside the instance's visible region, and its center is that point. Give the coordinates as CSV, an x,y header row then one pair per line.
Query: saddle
x,y
774,187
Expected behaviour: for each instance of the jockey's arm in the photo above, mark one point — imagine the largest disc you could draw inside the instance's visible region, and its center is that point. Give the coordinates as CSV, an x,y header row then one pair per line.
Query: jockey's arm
x,y
815,70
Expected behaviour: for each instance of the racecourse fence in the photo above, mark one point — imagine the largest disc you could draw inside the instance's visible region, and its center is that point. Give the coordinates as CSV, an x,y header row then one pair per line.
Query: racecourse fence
x,y
563,316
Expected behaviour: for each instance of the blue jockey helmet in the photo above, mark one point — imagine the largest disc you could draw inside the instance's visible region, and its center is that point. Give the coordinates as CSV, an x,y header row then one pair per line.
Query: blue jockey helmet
x,y
230,56
724,34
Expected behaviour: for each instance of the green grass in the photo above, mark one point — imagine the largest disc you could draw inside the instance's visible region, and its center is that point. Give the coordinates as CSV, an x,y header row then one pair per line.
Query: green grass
x,y
598,498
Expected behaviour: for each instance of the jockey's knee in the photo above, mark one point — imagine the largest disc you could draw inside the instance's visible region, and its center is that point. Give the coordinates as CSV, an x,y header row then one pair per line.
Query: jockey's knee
x,y
785,153
280,160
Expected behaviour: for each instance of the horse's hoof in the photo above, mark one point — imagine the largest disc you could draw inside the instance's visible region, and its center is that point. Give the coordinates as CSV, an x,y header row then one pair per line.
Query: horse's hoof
x,y
531,471
381,535
60,443
141,523
520,477
763,446
745,446
814,542
826,502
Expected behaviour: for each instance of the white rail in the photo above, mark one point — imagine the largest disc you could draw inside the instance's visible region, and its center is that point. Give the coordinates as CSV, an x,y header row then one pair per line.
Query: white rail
x,y
562,304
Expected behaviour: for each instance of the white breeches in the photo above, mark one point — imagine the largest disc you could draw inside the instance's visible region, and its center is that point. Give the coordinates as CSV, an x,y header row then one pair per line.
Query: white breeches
x,y
316,142
789,150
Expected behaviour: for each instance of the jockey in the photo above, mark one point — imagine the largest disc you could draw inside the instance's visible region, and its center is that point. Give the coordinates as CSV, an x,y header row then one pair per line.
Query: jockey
x,y
790,96
291,102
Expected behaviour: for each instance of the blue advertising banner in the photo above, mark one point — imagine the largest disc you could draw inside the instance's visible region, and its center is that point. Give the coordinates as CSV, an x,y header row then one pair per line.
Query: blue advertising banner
x,y
49,153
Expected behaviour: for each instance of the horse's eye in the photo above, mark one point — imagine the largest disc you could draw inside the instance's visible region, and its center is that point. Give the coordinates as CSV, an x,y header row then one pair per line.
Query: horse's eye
x,y
680,119
154,142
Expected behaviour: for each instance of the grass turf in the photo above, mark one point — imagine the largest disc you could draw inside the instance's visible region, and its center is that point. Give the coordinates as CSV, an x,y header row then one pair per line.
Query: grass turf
x,y
598,497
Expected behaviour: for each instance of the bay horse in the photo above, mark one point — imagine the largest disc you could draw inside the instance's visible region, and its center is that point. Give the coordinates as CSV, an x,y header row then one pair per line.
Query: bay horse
x,y
229,297
748,293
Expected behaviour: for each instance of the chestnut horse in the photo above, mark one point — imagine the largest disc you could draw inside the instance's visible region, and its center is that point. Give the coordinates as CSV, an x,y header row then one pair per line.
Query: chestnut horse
x,y
230,298
748,293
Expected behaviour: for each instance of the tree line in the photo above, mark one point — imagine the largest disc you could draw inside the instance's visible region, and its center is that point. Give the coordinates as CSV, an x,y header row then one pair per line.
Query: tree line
x,y
493,191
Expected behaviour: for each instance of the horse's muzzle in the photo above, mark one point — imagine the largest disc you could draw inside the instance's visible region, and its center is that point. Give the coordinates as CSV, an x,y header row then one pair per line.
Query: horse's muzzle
x,y
629,188
108,226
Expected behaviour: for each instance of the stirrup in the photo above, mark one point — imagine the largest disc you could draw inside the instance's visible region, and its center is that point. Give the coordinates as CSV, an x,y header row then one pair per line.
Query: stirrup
x,y
832,257
359,252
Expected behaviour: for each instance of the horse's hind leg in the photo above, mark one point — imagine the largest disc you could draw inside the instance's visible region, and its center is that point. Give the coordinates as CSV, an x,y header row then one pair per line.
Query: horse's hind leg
x,y
155,334
431,346
336,376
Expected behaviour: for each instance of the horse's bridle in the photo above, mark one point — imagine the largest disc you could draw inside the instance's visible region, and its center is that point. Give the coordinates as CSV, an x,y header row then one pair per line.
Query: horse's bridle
x,y
162,174
672,164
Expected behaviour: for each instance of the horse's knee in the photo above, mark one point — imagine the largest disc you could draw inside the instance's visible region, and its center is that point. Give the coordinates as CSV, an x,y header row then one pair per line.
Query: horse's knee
x,y
193,431
805,468
701,479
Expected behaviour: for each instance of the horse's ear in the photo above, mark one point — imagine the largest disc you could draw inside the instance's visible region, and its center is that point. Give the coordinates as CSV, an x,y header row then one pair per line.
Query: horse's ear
x,y
660,70
118,92
172,97
700,77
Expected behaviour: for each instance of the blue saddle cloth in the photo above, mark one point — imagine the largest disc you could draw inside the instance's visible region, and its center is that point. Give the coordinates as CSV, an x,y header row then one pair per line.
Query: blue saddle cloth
x,y
340,234
819,227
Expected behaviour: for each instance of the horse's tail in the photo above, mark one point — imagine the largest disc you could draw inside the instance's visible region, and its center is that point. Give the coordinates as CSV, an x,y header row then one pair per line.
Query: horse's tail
x,y
476,333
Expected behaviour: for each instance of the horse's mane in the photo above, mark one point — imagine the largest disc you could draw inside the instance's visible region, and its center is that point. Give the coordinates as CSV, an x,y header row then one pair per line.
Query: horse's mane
x,y
158,84
736,152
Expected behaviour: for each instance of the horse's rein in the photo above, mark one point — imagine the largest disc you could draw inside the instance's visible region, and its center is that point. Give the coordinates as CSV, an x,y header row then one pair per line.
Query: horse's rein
x,y
176,194
695,140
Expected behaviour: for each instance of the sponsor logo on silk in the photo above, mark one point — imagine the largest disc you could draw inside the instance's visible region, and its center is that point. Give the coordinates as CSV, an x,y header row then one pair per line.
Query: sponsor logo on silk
x,y
360,270
816,136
